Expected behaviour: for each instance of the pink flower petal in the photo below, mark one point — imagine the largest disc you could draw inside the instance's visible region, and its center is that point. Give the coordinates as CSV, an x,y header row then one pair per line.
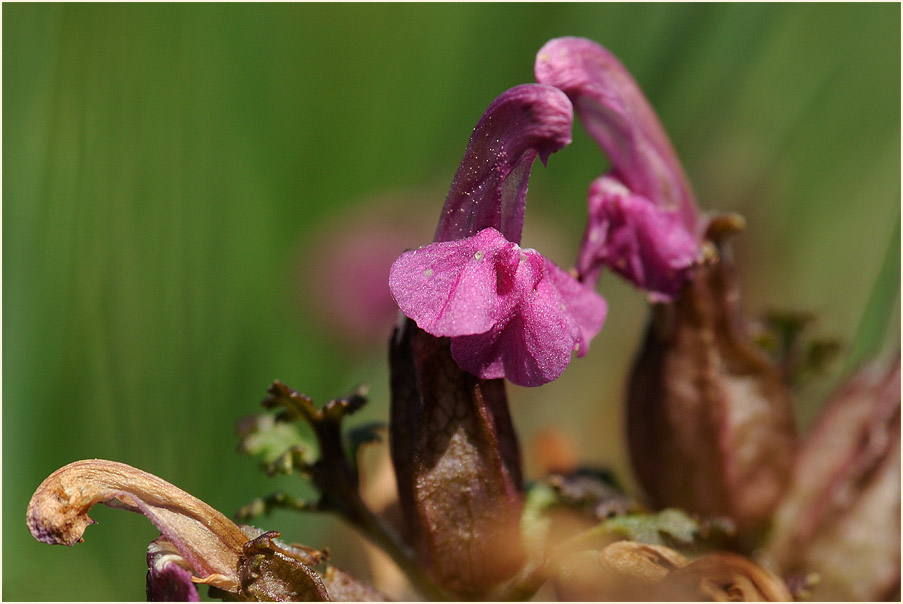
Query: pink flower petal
x,y
555,316
452,288
168,579
587,309
639,240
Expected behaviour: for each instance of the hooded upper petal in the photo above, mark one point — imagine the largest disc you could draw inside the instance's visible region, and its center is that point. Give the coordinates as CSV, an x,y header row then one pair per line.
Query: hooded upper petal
x,y
617,115
490,186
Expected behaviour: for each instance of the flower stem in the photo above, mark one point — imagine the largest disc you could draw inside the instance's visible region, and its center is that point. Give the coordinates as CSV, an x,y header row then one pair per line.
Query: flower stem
x,y
388,540
336,478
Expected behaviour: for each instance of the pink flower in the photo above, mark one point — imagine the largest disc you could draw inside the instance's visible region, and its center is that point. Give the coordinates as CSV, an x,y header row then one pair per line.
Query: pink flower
x,y
643,221
509,311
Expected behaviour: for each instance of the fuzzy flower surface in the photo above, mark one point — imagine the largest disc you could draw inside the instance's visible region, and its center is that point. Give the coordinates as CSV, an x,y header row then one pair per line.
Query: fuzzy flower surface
x,y
509,311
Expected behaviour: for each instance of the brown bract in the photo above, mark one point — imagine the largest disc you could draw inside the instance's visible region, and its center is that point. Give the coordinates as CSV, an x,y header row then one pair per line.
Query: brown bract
x,y
457,464
271,572
645,562
727,577
710,423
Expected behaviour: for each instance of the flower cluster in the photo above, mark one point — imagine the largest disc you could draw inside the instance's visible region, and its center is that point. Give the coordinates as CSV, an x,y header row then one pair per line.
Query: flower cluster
x,y
734,504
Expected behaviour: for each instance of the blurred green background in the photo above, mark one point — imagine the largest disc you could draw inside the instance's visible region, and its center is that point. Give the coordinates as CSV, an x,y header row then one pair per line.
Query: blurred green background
x,y
169,172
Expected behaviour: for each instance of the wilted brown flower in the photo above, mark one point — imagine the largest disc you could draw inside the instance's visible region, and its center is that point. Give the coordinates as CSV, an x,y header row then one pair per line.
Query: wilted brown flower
x,y
198,544
725,577
632,571
210,543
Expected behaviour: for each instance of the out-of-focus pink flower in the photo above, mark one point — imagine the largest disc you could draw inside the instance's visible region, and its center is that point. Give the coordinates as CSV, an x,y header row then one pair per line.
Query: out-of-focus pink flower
x,y
347,287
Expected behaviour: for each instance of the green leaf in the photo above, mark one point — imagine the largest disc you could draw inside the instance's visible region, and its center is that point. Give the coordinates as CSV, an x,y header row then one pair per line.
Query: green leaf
x,y
274,443
668,527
